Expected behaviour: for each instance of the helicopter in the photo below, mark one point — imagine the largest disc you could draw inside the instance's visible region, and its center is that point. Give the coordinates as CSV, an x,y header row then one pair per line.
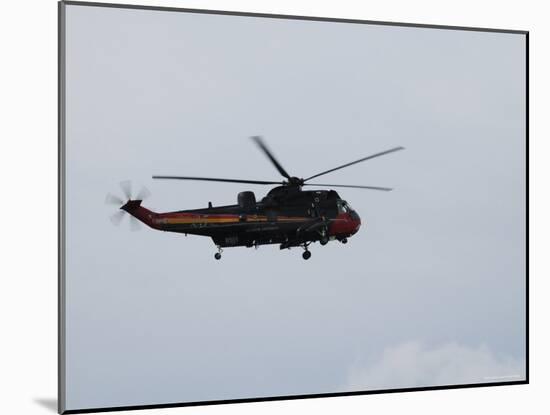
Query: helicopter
x,y
287,215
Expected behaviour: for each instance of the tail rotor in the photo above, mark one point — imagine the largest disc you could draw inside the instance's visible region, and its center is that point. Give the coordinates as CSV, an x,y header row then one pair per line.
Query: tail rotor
x,y
114,200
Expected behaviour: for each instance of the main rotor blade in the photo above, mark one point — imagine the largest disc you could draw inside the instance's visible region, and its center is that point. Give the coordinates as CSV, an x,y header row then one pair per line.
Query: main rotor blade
x,y
258,140
391,150
213,179
387,189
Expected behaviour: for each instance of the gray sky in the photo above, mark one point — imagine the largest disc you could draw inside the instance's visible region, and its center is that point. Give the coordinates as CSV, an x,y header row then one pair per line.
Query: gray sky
x,y
429,292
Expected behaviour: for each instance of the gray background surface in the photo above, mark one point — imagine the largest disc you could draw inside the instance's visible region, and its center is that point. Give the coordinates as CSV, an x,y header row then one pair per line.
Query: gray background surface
x,y
429,292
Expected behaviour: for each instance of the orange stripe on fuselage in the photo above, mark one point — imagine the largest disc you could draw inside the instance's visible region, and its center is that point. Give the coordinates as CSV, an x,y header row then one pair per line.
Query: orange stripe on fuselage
x,y
184,219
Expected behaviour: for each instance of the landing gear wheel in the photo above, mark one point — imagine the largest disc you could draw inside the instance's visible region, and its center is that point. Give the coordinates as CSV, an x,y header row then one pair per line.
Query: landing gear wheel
x,y
306,255
217,255
344,240
323,241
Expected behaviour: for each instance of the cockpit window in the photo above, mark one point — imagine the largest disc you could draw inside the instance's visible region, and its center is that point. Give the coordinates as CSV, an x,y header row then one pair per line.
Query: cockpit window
x,y
343,206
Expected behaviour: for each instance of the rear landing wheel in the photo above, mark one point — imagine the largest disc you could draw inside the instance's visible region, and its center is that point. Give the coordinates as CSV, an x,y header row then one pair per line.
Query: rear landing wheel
x,y
217,255
344,241
306,255
323,241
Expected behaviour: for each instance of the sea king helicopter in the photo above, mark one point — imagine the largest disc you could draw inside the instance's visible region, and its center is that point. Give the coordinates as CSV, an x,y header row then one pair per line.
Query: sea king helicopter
x,y
287,215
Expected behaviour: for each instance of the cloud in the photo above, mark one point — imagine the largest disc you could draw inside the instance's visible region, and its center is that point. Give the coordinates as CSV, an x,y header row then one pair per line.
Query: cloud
x,y
412,364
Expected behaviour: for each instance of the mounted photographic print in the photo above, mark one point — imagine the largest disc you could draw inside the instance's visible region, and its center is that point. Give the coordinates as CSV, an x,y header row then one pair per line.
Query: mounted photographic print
x,y
258,207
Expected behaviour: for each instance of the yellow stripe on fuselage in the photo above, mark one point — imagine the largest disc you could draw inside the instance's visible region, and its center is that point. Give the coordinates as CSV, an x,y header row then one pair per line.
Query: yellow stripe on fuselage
x,y
213,219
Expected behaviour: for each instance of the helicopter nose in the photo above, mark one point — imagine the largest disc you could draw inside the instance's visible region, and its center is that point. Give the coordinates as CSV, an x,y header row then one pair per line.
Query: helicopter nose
x,y
356,220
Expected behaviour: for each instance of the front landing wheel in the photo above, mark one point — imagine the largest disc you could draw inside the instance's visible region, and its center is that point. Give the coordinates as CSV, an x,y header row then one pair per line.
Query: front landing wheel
x,y
217,255
306,255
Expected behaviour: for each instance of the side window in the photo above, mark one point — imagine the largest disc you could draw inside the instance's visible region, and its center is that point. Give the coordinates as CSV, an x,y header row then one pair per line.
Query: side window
x,y
343,206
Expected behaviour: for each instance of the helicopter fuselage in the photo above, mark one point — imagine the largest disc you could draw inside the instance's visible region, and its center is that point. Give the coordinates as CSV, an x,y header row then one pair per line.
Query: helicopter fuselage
x,y
286,216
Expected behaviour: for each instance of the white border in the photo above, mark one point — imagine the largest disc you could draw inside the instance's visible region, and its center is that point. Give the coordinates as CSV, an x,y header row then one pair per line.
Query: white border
x,y
28,302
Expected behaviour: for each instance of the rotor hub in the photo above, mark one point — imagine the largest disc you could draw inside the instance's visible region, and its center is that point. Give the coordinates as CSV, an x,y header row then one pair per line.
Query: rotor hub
x,y
295,181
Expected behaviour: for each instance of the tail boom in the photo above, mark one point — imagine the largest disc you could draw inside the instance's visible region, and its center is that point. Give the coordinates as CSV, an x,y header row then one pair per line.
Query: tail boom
x,y
134,208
